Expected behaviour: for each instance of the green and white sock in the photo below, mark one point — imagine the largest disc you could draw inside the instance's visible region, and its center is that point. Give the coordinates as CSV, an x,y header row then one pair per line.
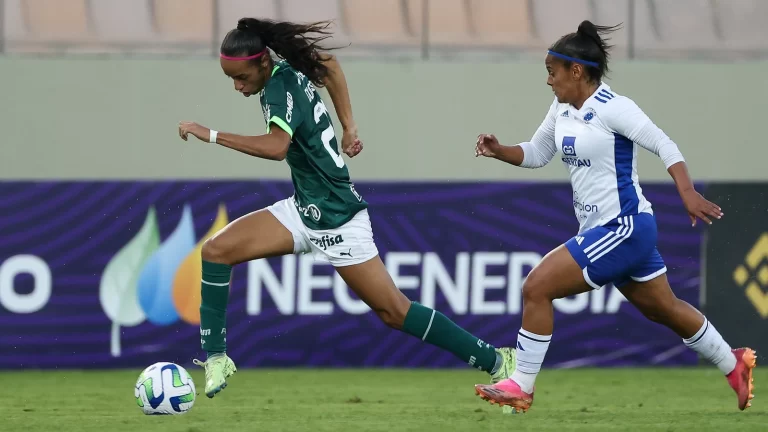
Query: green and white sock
x,y
435,328
213,308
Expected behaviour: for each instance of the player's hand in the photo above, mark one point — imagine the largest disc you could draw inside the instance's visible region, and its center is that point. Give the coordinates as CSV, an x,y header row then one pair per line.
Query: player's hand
x,y
487,145
191,128
350,143
699,207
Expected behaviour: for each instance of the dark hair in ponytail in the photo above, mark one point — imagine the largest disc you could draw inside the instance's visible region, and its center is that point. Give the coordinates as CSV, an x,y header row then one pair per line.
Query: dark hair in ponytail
x,y
293,42
587,44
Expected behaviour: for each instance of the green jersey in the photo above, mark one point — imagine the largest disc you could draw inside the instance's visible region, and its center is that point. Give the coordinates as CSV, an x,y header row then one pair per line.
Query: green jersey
x,y
323,193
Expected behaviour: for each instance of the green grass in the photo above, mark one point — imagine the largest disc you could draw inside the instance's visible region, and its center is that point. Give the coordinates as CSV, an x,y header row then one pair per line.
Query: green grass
x,y
696,399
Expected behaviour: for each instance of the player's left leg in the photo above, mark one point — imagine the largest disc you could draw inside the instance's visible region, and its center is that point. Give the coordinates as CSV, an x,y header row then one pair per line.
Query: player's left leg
x,y
655,299
354,255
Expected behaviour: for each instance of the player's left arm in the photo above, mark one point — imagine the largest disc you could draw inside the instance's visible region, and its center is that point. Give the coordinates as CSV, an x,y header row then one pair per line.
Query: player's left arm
x,y
336,84
272,146
627,119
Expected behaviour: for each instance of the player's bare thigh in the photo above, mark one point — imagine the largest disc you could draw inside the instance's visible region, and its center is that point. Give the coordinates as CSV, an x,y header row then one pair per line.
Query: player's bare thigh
x,y
252,236
556,276
373,284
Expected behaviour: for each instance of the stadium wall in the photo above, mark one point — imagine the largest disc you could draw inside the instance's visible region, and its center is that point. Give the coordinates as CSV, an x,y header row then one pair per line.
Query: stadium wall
x,y
117,118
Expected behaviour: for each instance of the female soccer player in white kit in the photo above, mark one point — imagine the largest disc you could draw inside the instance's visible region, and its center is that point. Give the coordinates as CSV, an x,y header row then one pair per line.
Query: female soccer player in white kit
x,y
597,131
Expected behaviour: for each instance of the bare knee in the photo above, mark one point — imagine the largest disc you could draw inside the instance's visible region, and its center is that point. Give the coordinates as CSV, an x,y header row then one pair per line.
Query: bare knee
x,y
535,288
215,250
393,313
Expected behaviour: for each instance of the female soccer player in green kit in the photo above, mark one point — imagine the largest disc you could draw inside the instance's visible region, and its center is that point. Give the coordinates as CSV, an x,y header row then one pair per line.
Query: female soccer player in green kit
x,y
326,216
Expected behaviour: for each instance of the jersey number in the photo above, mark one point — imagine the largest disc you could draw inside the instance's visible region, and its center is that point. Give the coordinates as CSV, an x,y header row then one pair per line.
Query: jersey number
x,y
328,134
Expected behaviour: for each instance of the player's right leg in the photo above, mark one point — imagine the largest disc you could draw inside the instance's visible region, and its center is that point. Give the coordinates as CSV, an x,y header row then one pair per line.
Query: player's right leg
x,y
558,275
370,280
256,235
356,259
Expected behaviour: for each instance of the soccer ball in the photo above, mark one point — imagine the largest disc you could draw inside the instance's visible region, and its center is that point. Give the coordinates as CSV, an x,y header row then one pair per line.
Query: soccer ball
x,y
165,389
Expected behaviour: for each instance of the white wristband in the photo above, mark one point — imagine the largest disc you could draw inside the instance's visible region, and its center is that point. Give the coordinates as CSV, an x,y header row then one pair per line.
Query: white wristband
x,y
213,136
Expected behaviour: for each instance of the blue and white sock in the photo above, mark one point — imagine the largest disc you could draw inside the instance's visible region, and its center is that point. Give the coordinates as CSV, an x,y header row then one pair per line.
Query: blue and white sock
x,y
710,345
531,349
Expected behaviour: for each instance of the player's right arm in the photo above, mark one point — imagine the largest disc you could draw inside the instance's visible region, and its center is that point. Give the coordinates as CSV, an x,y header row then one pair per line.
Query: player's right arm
x,y
532,154
272,146
285,118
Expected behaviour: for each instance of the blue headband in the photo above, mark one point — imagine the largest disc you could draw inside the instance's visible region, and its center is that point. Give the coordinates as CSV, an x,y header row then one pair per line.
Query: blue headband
x,y
573,59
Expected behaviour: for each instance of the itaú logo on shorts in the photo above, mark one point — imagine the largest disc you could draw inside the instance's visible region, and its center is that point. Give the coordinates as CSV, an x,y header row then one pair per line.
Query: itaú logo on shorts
x,y
327,241
159,282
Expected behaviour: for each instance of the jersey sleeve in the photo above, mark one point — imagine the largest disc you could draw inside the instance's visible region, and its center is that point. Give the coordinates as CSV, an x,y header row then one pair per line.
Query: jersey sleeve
x,y
541,148
627,119
282,106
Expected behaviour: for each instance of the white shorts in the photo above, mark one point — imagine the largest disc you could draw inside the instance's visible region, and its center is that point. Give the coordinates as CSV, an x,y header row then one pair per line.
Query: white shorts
x,y
349,244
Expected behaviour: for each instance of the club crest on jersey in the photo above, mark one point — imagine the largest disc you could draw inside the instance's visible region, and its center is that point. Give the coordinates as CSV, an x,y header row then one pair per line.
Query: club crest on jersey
x,y
589,115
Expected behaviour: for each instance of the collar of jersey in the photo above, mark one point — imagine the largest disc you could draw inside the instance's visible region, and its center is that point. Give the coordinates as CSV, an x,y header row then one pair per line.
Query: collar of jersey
x,y
589,101
274,69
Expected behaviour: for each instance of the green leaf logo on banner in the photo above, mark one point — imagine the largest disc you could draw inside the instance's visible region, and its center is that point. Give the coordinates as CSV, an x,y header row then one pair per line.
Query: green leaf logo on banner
x,y
119,282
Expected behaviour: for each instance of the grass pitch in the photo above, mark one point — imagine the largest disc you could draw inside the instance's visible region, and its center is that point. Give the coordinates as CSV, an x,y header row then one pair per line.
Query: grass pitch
x,y
695,399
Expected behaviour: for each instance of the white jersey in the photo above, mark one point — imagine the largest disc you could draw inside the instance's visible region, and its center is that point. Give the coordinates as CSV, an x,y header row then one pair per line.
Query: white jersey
x,y
599,149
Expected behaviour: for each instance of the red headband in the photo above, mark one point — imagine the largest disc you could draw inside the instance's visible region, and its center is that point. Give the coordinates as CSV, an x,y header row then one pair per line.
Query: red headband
x,y
255,56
